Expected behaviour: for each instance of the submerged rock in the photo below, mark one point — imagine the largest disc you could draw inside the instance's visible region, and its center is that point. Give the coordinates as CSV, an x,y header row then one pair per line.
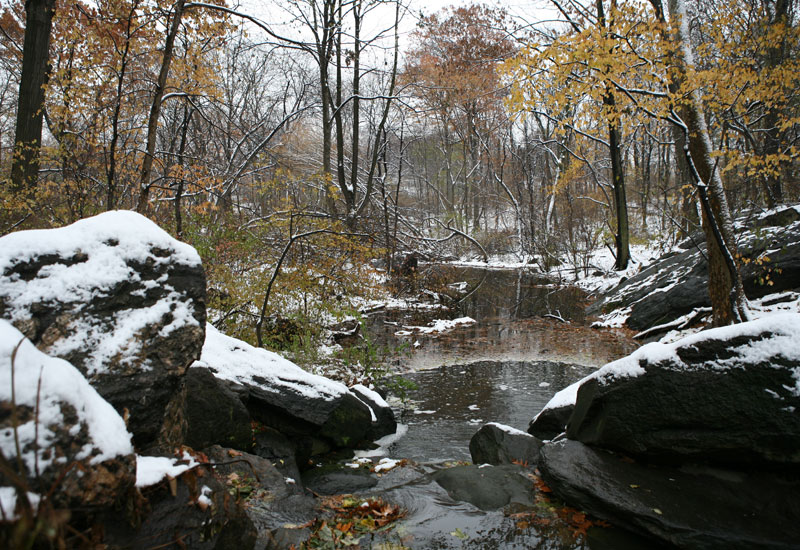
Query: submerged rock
x,y
71,441
487,487
497,444
725,396
691,507
315,412
332,479
119,299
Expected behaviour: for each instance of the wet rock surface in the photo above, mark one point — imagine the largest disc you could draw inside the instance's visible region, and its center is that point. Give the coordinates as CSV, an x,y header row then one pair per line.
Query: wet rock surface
x,y
487,487
691,507
499,444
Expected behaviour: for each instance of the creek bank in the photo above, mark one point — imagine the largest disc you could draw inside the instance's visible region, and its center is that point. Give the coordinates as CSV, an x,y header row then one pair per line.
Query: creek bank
x,y
688,442
672,292
115,358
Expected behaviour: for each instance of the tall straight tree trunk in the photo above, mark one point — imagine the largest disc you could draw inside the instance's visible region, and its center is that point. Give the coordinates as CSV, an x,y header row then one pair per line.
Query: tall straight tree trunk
x,y
30,105
622,239
155,109
776,54
620,200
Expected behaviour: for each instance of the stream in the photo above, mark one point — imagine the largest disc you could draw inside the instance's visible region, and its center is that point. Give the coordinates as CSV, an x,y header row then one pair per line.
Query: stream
x,y
529,340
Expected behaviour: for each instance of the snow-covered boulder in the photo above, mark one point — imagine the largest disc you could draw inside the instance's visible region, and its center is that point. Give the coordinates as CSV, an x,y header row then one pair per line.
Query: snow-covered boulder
x,y
311,409
118,298
54,423
728,396
552,419
383,420
499,444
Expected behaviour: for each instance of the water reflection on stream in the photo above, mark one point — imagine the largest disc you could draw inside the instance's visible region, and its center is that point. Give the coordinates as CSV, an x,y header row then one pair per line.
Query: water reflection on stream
x,y
512,310
451,403
503,368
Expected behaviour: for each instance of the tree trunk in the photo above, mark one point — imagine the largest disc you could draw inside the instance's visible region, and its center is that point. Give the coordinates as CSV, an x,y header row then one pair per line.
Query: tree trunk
x,y
30,106
620,201
155,109
622,237
728,302
776,55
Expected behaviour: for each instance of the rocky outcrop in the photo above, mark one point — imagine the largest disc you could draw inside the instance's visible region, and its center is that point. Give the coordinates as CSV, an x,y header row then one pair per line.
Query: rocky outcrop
x,y
57,433
205,412
691,506
696,443
497,444
316,413
677,284
119,299
193,510
723,396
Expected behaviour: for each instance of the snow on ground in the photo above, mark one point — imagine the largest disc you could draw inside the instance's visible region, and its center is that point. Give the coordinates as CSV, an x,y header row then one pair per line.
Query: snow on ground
x,y
383,445
237,361
8,502
43,384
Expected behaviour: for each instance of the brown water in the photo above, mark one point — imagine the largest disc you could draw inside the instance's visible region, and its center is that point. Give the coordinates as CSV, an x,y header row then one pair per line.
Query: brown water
x,y
515,313
503,368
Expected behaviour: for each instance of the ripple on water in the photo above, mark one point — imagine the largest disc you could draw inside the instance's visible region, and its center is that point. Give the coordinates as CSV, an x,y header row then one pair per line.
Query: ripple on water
x,y
451,403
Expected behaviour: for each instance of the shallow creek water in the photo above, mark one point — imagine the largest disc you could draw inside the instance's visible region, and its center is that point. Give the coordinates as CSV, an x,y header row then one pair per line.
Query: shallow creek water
x,y
503,368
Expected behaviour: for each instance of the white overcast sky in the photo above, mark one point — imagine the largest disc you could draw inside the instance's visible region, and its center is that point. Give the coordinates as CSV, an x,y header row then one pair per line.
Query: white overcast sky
x,y
525,11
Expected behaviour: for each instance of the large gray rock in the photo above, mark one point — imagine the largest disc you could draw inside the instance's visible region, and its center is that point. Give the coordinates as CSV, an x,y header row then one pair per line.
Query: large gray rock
x,y
272,500
725,396
677,283
205,412
57,433
119,299
497,444
691,507
195,511
313,411
487,487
